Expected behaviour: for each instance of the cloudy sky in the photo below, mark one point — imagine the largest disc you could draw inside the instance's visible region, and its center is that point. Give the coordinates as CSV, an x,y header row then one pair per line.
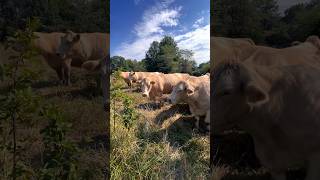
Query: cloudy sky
x,y
136,23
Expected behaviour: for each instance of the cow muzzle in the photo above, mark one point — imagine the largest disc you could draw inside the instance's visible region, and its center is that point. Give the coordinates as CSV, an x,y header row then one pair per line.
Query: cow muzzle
x,y
145,95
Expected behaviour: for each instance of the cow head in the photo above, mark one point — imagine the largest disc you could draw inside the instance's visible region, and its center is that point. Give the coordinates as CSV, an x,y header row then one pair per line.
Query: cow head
x,y
236,94
125,77
133,77
180,92
314,40
146,86
67,42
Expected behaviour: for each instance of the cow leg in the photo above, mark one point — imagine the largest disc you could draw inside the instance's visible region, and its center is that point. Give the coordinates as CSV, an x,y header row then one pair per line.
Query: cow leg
x,y
313,168
60,74
197,122
207,120
67,70
278,176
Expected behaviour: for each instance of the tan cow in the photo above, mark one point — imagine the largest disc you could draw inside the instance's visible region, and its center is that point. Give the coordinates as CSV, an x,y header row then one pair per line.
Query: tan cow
x,y
306,52
194,91
137,77
76,48
278,106
47,44
157,84
235,48
125,77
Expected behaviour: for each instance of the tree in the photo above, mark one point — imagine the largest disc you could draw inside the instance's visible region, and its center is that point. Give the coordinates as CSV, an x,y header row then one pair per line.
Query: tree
x,y
167,58
152,56
244,18
186,61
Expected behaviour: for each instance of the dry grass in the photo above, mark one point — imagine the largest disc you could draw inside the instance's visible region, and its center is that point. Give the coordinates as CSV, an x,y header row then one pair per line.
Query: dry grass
x,y
161,144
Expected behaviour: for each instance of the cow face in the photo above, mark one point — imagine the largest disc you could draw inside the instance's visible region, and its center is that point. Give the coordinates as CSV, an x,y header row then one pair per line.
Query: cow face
x,y
133,77
180,92
146,86
235,95
66,43
125,77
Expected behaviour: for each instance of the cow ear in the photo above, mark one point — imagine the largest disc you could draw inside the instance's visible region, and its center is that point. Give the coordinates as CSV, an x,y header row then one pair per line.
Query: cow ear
x,y
152,82
181,87
255,95
76,38
189,91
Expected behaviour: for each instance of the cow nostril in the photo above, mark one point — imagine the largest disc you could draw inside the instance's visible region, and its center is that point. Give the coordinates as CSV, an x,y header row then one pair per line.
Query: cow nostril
x,y
144,95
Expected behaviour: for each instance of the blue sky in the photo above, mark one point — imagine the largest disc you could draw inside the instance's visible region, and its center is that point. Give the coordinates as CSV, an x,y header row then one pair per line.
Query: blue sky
x,y
136,23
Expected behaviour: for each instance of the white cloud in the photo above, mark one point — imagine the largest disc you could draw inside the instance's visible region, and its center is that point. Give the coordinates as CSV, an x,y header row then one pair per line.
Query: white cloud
x,y
197,40
154,22
198,22
136,49
151,28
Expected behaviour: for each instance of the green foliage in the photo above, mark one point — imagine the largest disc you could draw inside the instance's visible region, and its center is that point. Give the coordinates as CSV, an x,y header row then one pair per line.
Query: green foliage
x,y
18,103
129,114
152,57
165,56
60,154
120,63
55,15
261,21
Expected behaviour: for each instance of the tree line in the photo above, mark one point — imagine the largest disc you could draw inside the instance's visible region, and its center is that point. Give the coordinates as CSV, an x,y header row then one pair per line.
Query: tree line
x,y
55,15
164,56
262,21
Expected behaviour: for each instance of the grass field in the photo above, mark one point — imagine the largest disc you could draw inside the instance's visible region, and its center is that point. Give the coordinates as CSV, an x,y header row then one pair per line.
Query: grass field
x,y
81,105
161,143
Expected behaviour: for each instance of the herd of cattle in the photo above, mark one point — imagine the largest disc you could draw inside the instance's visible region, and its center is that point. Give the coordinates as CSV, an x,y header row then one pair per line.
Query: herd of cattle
x,y
272,94
182,87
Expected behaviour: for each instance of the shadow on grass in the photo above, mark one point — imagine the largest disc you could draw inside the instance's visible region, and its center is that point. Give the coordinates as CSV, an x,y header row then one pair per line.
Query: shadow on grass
x,y
46,84
150,106
174,109
177,134
87,92
96,142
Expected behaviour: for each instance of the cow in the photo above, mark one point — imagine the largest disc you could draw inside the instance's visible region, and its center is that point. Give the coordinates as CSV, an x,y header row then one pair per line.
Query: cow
x,y
156,84
279,106
194,91
242,50
306,52
137,77
222,48
47,45
77,48
125,77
